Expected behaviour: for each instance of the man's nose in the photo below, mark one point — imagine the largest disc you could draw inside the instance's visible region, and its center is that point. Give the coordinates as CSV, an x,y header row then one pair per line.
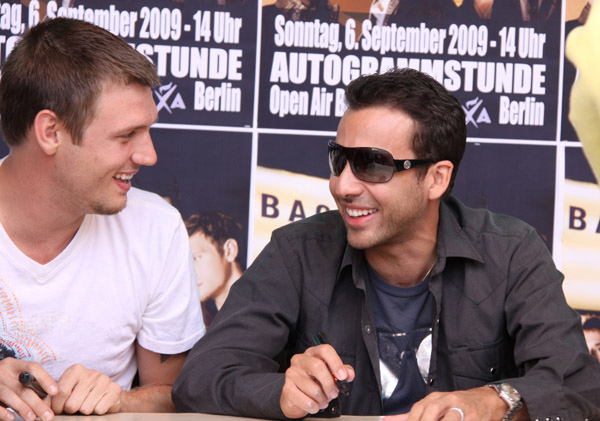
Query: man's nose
x,y
346,184
144,153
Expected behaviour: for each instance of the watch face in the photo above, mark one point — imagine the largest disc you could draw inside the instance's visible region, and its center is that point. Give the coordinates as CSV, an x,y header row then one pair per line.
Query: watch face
x,y
512,393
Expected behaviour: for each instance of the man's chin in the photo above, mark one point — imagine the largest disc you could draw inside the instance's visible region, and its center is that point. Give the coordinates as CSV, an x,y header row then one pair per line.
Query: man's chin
x,y
108,209
358,241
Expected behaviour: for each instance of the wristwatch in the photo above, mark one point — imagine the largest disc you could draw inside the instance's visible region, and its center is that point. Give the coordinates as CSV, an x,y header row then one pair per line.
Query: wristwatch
x,y
511,396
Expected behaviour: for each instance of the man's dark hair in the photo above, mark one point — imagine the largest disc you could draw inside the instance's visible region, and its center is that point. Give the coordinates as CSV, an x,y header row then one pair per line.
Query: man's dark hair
x,y
62,65
440,128
592,323
219,227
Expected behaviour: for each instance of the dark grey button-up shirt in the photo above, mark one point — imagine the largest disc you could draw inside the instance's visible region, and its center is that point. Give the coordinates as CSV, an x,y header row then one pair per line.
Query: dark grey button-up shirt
x,y
500,315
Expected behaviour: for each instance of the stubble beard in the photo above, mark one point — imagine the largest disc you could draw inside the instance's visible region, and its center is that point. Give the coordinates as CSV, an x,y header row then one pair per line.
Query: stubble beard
x,y
397,228
392,232
106,209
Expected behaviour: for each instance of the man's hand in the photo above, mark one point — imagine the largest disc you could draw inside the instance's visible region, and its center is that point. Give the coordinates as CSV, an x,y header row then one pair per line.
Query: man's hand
x,y
480,404
309,384
86,391
22,400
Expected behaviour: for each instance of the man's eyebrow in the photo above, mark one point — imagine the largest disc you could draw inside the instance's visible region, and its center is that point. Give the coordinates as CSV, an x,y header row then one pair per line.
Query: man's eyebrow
x,y
138,127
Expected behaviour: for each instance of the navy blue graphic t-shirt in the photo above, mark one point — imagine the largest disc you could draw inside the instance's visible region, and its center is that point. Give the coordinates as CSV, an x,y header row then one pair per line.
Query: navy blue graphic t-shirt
x,y
403,323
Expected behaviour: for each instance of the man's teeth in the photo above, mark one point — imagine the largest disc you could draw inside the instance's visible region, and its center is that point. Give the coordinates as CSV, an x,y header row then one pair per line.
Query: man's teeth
x,y
356,213
124,177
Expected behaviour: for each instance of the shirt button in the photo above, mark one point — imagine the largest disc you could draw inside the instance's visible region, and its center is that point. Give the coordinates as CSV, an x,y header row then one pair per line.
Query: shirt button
x,y
492,370
368,329
431,381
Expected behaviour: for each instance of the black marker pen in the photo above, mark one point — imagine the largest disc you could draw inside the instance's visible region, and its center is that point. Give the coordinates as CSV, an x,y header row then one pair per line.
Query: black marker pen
x,y
28,380
342,385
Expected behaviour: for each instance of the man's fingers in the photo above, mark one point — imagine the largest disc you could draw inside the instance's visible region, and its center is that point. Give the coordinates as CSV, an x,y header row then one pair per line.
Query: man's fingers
x,y
350,374
306,384
326,367
310,381
102,397
437,409
74,387
87,394
58,401
64,401
330,357
319,374
86,391
295,403
454,414
23,400
27,404
302,392
467,405
44,379
5,414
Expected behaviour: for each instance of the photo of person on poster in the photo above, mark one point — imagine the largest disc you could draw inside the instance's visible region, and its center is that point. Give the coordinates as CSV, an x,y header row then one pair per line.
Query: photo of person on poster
x,y
591,331
217,246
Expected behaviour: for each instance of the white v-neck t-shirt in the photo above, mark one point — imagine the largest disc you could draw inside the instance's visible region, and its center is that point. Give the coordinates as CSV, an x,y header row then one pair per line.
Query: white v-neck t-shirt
x,y
122,278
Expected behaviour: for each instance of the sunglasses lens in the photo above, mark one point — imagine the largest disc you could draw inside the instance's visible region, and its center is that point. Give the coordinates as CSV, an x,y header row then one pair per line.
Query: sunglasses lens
x,y
373,165
368,164
337,160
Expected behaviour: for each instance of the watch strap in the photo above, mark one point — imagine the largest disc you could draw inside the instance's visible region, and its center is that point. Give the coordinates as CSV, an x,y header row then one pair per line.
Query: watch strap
x,y
514,402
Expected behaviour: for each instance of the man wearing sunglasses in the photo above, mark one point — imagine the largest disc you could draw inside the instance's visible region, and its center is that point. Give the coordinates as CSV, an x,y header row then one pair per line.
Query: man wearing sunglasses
x,y
404,301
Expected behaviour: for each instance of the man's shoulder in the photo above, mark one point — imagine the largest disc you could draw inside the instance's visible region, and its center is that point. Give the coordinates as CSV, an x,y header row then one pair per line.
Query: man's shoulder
x,y
481,221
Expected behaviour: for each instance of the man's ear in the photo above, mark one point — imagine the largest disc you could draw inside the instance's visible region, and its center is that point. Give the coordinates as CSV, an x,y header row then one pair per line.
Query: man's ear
x,y
440,174
230,249
49,131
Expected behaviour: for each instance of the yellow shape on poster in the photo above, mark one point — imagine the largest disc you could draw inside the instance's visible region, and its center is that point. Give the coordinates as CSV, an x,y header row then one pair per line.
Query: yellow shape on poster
x,y
581,245
583,49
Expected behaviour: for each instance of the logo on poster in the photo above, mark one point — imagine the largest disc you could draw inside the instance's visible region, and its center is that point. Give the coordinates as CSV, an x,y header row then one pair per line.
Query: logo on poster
x,y
164,94
475,114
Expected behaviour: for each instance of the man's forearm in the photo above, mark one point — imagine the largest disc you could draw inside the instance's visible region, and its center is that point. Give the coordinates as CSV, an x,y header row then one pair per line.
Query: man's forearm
x,y
148,399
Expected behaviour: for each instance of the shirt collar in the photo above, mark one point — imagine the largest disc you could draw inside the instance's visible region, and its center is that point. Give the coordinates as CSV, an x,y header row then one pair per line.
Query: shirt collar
x,y
354,260
452,240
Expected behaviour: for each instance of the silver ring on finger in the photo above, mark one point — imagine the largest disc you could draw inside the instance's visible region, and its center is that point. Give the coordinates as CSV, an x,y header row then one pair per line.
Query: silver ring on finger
x,y
460,411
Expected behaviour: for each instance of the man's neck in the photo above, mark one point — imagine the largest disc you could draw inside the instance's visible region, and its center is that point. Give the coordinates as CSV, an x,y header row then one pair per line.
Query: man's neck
x,y
236,273
36,224
402,266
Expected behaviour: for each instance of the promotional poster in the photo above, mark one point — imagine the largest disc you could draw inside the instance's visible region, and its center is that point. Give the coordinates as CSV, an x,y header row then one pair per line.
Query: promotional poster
x,y
251,92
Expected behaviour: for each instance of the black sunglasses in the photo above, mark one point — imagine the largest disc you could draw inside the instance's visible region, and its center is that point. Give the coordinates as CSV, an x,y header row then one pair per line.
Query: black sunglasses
x,y
369,164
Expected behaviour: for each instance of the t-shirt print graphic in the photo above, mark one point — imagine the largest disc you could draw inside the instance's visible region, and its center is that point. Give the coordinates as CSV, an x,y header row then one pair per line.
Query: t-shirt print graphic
x,y
17,339
404,363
